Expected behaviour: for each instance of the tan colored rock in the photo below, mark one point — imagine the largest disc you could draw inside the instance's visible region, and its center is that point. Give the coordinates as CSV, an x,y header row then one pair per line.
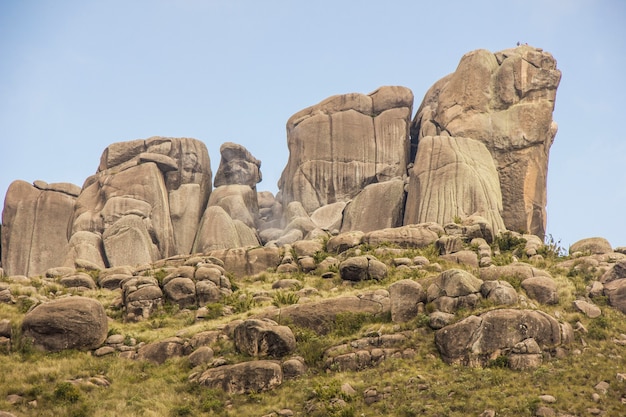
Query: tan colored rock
x,y
128,242
344,143
361,268
473,340
344,241
239,201
320,315
66,323
405,296
592,245
453,178
160,351
243,378
219,231
237,166
35,227
377,206
616,292
454,289
504,100
262,338
542,289
330,216
410,236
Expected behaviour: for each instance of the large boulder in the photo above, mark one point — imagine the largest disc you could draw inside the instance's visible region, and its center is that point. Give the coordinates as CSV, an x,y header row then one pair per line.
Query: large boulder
x,y
504,100
591,245
454,289
453,178
405,297
35,223
162,350
219,231
66,323
378,206
361,268
261,338
237,166
321,316
475,339
409,236
243,378
344,143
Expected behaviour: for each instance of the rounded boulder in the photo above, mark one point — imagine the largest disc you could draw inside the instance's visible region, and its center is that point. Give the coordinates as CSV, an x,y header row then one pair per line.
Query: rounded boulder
x,y
67,323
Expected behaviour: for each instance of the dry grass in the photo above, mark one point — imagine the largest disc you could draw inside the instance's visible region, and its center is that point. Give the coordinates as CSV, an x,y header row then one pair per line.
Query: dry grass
x,y
420,386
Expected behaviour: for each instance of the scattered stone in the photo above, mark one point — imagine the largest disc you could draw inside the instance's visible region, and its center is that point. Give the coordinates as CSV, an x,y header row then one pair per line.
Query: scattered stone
x,y
260,338
201,356
589,309
243,378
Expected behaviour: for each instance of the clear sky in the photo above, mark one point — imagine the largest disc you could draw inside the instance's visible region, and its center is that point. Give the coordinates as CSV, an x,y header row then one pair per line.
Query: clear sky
x,y
76,76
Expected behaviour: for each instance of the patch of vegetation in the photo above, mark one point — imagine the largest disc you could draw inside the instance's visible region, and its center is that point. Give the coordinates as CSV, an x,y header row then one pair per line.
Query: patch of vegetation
x,y
508,242
283,298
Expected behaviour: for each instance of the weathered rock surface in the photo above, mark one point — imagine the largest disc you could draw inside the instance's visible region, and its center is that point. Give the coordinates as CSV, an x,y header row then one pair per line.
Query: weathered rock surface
x,y
244,378
453,178
592,245
320,315
262,338
410,236
542,289
35,226
475,339
146,199
361,268
378,206
405,296
159,352
454,289
66,323
344,143
237,166
504,100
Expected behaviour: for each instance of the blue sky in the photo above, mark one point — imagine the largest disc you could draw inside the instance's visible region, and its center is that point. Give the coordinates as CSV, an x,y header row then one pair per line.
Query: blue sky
x,y
76,76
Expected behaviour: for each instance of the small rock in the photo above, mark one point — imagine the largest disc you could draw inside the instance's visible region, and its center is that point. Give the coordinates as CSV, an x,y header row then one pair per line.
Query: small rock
x,y
547,399
545,412
285,412
602,387
104,350
347,389
488,413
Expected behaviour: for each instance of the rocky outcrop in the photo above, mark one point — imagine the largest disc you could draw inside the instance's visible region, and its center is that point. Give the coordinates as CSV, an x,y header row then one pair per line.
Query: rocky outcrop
x,y
476,339
35,223
66,323
453,178
243,378
262,338
145,201
504,100
344,143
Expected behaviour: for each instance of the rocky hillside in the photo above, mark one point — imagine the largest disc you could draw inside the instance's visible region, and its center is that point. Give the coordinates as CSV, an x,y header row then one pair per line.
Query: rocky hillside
x,y
402,269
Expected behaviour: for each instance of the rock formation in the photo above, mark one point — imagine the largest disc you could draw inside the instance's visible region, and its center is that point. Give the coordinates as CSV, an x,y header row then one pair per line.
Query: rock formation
x,y
453,178
35,222
144,203
344,143
504,100
475,155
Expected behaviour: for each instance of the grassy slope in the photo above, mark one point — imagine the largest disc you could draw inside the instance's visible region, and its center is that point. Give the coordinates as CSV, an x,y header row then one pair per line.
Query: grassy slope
x,y
422,385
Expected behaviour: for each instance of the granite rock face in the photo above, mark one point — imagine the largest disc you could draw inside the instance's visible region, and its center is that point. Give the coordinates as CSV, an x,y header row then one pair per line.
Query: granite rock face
x,y
504,100
453,178
344,143
35,223
146,200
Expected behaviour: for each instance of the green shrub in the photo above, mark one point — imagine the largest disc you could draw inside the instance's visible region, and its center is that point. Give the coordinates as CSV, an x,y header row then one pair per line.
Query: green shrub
x,y
66,392
282,298
507,242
